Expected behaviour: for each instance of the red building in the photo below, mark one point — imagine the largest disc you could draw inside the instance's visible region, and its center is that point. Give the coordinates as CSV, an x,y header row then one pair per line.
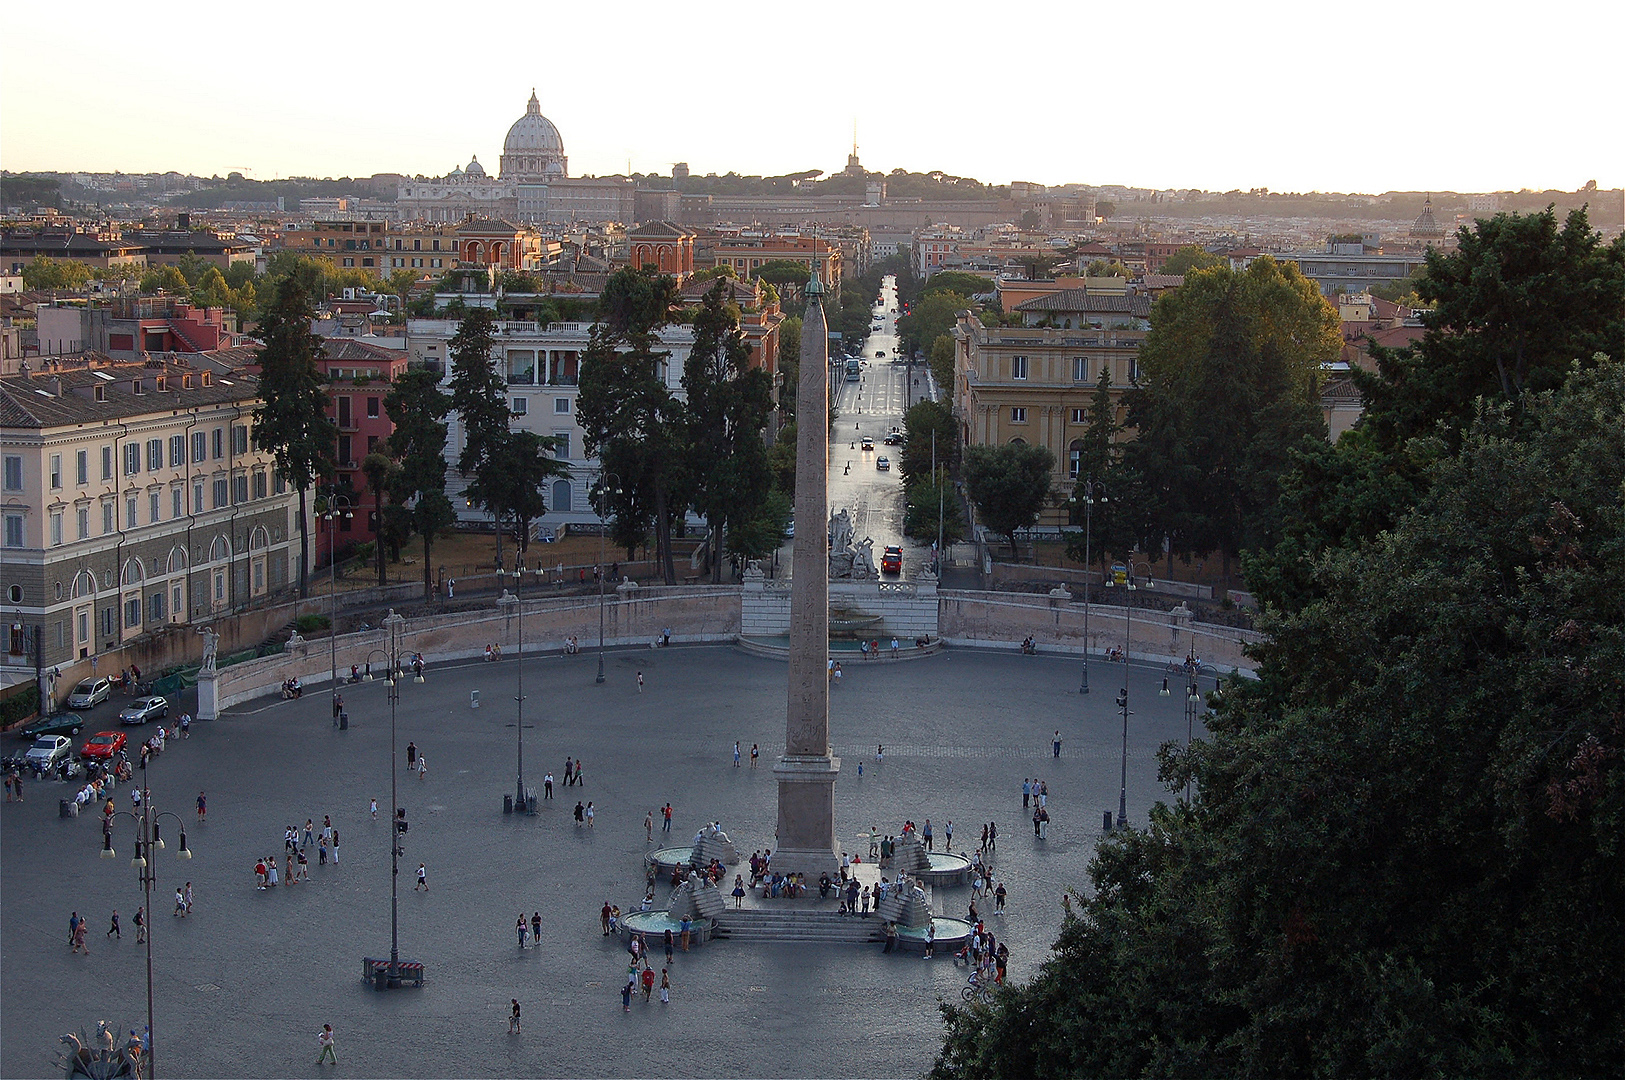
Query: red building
x,y
359,375
666,247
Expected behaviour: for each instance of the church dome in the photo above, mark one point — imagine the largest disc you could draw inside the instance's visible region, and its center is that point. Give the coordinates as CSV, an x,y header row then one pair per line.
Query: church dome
x,y
475,169
533,148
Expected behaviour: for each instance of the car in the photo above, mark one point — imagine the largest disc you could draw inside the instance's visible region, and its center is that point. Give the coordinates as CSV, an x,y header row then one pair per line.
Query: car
x,y
883,463
90,693
143,709
58,724
103,746
891,561
895,438
868,443
49,751
880,354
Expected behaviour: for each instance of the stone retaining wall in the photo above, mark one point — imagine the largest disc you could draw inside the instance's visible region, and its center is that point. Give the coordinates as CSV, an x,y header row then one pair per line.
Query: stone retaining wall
x,y
906,609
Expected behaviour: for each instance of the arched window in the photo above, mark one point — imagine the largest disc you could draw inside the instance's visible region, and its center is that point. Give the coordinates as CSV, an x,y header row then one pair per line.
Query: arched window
x,y
177,560
84,584
561,497
1018,441
133,574
220,549
259,538
1074,459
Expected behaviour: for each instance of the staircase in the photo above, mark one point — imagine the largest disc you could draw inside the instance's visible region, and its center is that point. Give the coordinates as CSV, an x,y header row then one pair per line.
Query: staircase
x,y
797,924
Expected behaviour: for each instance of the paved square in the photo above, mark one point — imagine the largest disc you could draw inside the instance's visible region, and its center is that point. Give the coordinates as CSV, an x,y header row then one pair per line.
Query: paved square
x,y
243,985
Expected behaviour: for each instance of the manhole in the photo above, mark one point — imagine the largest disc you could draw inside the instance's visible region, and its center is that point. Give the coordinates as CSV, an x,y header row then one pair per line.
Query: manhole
x,y
207,988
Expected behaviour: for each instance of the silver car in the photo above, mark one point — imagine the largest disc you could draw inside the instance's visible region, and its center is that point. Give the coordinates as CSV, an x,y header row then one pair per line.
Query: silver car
x,y
90,693
48,751
143,709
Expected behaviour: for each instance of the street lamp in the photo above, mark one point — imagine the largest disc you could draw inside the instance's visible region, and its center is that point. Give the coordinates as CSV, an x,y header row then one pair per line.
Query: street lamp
x,y
1193,702
517,600
394,623
1122,695
1093,491
148,841
338,509
608,484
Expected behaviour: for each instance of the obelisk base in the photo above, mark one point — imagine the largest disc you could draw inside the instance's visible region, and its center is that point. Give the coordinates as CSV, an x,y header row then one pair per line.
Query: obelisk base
x,y
806,835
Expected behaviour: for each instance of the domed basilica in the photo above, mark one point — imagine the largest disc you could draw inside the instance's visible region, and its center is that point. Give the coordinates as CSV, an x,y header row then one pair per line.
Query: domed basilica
x,y
533,184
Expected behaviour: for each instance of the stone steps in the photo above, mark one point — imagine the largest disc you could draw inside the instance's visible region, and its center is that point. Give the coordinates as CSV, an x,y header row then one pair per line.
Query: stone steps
x,y
797,925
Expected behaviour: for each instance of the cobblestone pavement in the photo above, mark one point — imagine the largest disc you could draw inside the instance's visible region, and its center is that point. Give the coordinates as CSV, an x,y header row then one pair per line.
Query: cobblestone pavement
x,y
243,984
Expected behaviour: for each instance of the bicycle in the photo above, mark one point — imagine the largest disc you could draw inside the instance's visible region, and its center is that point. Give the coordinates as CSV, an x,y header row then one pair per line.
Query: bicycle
x,y
976,991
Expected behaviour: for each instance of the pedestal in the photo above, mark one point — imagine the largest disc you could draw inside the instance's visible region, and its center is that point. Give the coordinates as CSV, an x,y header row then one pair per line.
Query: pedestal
x,y
806,834
208,696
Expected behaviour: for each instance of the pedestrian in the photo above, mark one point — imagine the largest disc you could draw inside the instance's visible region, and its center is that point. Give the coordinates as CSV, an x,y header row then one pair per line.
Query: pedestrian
x,y
665,812
894,648
589,813
626,997
79,938
186,725
581,812
304,866
73,926
880,755
1036,818
668,942
736,753
930,940
324,1039
113,929
321,852
1057,743
603,917
423,765
411,756
335,851
327,827
688,928
180,901
998,899
925,834
270,873
523,929
739,891
536,928
581,774
648,983
754,753
891,937
513,1018
202,808
984,839
569,771
948,831
547,786
640,682
451,588
374,809
993,836
863,901
649,826
423,879
1026,791
140,925
338,707
1043,794
310,832
187,893
665,986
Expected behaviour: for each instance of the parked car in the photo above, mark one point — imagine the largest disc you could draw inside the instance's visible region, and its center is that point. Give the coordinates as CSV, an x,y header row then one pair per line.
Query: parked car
x,y
883,463
790,529
891,561
141,710
103,746
49,751
59,724
90,693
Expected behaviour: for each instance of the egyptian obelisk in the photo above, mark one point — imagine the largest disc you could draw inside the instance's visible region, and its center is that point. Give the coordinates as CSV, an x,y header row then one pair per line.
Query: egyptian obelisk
x,y
806,773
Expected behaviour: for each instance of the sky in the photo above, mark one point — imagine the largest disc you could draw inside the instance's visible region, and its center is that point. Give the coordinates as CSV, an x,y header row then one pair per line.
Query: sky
x,y
1372,97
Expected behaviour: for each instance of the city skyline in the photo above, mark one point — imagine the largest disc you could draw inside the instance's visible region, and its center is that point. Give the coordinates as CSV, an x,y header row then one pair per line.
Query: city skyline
x,y
921,97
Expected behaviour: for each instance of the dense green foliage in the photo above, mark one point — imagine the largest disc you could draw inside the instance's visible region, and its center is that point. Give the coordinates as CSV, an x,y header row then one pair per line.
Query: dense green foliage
x,y
1403,857
1008,485
1190,257
417,495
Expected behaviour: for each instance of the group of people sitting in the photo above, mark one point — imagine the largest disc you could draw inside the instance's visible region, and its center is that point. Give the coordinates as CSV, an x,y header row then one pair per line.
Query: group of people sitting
x,y
493,651
570,646
1029,645
291,688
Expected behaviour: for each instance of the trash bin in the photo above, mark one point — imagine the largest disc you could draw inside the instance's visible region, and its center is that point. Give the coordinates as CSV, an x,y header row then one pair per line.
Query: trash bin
x,y
1106,820
380,977
344,720
507,804
67,808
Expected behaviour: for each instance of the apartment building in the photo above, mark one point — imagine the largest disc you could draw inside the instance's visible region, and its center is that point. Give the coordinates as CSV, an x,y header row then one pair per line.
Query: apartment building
x,y
132,501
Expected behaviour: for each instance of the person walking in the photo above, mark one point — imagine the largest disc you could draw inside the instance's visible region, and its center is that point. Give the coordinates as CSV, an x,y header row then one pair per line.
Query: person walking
x,y
930,941
73,926
649,827
736,753
423,879
513,1017
640,682
569,771
335,851
665,812
1026,791
665,986
186,895
983,848
993,836
648,983
925,834
536,928
755,752
113,929
1057,743
581,812
374,809
998,899
948,831
669,947
324,1039
140,925
523,929
310,832
411,756
589,813
79,938
738,893
180,902
202,808
581,773
423,765
626,996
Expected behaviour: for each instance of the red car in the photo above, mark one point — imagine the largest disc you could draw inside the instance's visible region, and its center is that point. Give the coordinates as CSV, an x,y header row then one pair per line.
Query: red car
x,y
891,562
103,746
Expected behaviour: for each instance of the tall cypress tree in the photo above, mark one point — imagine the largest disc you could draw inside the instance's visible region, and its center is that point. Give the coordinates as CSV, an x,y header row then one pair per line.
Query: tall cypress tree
x,y
417,408
292,423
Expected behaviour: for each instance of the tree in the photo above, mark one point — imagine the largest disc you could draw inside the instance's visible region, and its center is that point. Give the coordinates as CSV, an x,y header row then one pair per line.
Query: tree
x,y
1008,485
932,317
1105,209
1403,857
1190,257
727,410
789,364
292,422
631,421
1108,268
758,535
479,396
941,360
523,466
957,281
1230,376
782,272
164,279
1108,519
1513,306
418,409
44,272
923,419
929,504
380,470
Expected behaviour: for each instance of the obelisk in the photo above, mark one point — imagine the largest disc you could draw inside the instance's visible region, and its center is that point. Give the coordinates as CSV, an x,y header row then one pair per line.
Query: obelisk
x,y
806,773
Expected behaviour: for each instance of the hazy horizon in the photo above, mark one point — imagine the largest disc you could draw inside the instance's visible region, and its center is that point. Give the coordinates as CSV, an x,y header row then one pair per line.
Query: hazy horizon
x,y
1386,98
